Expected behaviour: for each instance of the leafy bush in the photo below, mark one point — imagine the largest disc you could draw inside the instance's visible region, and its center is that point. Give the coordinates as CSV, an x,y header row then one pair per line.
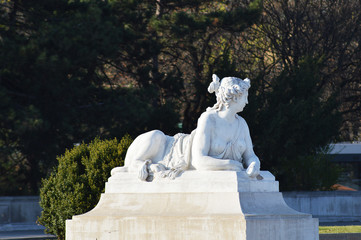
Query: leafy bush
x,y
75,187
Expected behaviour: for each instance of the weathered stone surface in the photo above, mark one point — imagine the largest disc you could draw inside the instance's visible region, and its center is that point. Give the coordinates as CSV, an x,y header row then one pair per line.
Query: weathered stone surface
x,y
151,210
193,181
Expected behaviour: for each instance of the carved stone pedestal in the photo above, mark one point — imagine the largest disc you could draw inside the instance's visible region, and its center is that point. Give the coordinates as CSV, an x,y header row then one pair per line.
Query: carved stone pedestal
x,y
198,205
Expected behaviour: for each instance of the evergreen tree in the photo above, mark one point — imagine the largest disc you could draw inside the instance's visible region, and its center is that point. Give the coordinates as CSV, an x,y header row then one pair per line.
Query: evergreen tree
x,y
55,87
291,124
194,37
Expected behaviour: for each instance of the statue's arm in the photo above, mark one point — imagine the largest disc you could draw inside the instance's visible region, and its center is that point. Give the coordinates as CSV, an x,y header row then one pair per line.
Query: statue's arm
x,y
250,159
201,148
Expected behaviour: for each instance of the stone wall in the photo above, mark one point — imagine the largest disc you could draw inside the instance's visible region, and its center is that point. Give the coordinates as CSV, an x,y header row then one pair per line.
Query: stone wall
x,y
333,206
19,213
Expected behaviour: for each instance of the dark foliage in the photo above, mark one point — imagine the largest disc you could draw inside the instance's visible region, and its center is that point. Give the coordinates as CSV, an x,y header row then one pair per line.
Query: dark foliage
x,y
291,123
54,89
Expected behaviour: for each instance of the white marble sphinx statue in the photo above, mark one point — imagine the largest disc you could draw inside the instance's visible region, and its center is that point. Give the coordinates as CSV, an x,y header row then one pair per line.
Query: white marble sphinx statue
x,y
203,185
221,141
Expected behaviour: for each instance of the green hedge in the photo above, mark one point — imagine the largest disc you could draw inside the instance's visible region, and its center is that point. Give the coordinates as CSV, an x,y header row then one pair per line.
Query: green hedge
x,y
75,186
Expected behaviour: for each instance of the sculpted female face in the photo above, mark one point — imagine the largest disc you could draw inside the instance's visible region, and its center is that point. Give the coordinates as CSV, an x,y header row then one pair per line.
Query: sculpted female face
x,y
242,101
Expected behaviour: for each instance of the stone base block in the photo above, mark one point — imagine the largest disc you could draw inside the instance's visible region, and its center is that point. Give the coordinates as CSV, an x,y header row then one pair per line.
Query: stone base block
x,y
214,227
181,213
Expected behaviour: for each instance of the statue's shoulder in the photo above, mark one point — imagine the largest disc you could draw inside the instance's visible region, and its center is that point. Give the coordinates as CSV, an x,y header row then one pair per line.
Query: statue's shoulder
x,y
208,115
242,122
241,119
207,119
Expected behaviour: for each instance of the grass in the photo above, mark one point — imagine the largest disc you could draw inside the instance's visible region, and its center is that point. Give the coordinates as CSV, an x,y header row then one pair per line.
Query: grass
x,y
339,229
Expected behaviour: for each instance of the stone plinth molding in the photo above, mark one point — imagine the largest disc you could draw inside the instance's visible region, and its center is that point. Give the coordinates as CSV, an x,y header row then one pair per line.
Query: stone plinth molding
x,y
198,205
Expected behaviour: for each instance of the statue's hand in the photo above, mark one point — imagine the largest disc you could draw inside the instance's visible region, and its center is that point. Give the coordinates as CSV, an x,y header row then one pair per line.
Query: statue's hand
x,y
253,169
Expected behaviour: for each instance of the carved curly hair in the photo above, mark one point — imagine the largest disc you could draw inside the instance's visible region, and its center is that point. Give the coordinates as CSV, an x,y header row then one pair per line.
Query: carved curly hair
x,y
228,90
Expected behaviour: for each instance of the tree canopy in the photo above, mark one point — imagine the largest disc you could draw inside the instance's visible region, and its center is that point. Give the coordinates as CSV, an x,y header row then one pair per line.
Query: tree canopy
x,y
71,70
55,89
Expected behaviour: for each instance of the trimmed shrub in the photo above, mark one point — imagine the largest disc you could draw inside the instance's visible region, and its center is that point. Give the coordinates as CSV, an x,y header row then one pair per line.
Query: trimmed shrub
x,y
75,186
